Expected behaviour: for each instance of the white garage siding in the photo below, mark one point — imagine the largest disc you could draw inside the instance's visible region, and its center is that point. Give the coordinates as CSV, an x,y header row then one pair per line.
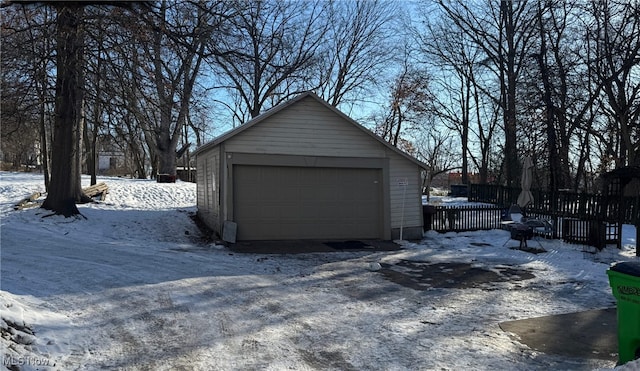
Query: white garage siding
x,y
401,171
308,128
208,188
308,132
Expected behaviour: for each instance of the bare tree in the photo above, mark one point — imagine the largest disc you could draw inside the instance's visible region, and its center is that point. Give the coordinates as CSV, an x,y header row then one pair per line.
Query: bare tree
x,y
408,98
553,64
178,36
95,100
128,122
503,32
27,85
435,147
615,36
267,51
65,188
576,63
357,48
460,101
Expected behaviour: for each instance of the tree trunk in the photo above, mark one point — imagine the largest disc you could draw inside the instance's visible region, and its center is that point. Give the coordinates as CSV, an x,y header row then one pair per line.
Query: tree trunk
x,y
466,118
510,144
44,148
89,139
65,186
91,136
549,109
93,157
166,156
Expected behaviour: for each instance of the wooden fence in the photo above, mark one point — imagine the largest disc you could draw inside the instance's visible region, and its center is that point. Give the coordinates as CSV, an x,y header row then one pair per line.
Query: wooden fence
x,y
589,232
594,220
594,233
563,204
462,218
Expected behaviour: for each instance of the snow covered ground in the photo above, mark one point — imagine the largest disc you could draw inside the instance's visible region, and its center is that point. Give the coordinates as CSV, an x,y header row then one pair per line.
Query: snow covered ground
x,y
133,286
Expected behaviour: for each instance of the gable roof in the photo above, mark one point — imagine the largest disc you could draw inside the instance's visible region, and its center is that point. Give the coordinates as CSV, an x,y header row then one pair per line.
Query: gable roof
x,y
280,107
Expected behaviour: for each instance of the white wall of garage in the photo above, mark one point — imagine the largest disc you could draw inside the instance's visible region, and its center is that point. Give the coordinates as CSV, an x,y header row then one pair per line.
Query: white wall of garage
x,y
308,132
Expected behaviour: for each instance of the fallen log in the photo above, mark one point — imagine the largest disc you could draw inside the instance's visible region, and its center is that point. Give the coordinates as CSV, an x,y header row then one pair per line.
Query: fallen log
x,y
28,201
97,190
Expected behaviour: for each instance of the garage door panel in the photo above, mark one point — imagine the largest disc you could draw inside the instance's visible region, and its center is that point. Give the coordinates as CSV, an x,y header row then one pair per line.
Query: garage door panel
x,y
297,203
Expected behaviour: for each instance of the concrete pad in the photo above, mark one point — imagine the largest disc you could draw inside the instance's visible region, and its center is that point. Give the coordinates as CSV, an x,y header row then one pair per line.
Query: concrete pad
x,y
310,246
588,334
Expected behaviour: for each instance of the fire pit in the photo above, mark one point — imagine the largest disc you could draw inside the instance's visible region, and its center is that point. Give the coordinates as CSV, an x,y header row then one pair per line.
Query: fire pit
x,y
521,232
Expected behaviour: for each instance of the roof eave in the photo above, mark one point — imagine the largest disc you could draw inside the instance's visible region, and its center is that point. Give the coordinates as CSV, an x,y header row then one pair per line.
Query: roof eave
x,y
282,106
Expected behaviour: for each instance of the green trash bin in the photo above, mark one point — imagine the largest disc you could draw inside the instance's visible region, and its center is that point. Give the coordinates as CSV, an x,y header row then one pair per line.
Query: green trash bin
x,y
625,284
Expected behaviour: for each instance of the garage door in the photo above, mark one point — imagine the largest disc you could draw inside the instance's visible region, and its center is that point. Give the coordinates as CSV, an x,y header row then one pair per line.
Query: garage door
x,y
279,203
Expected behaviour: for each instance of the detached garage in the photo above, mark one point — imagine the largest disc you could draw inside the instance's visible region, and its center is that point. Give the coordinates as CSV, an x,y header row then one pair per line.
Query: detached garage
x,y
304,170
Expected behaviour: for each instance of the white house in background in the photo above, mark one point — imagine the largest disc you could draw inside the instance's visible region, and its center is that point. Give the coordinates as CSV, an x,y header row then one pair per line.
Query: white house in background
x,y
110,160
305,170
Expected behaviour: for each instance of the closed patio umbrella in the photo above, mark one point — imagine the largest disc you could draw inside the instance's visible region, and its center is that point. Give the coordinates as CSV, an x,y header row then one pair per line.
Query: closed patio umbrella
x,y
525,197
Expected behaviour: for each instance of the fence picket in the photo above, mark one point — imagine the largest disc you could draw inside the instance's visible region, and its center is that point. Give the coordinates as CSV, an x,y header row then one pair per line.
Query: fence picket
x,y
600,215
563,203
463,218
